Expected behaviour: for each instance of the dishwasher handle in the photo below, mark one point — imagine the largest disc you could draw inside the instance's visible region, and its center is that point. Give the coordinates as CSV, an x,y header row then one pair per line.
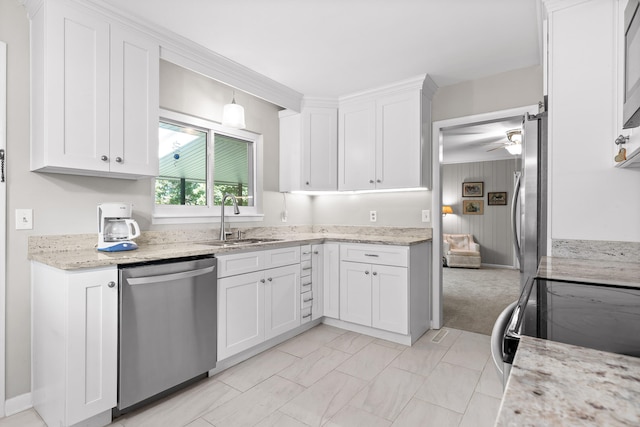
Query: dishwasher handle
x,y
168,277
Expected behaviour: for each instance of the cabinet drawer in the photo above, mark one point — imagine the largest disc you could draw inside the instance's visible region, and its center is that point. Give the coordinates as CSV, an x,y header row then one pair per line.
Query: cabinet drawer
x,y
305,252
376,254
305,285
282,256
229,265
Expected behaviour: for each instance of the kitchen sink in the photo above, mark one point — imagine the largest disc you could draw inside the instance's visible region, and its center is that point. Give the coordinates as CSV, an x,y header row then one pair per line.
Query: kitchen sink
x,y
240,242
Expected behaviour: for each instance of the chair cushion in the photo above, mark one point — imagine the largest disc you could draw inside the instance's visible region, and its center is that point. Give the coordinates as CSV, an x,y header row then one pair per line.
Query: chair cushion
x,y
458,241
463,252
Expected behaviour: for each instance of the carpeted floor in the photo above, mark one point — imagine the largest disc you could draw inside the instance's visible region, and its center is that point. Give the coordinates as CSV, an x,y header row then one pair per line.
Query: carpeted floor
x,y
473,299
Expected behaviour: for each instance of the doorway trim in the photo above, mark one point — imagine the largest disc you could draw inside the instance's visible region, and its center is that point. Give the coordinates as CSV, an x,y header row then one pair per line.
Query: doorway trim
x,y
436,201
3,223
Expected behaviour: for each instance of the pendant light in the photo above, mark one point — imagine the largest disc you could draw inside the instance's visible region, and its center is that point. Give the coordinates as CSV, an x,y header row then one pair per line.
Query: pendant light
x,y
233,114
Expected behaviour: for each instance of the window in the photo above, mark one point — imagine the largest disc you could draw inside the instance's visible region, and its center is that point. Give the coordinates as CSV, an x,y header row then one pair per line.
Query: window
x,y
200,162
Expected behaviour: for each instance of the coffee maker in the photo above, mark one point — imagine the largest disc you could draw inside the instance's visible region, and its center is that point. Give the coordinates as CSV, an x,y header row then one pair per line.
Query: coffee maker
x,y
116,228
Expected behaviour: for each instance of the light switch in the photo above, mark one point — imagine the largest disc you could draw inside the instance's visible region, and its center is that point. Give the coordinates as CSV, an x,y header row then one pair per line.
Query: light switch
x,y
24,219
426,215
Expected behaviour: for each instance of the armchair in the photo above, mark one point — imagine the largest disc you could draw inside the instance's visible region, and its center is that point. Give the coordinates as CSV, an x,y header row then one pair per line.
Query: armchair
x,y
461,251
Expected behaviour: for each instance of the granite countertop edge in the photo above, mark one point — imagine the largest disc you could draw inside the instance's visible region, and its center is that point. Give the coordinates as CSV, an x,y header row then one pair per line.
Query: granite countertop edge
x,y
76,258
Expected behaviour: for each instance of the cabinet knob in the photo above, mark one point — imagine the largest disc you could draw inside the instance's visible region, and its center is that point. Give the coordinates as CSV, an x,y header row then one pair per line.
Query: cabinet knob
x,y
104,158
262,280
118,159
370,181
307,183
111,284
366,272
315,252
270,279
375,273
377,180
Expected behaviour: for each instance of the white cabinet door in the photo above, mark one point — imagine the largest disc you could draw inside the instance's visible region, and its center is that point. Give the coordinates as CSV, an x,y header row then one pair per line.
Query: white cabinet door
x,y
355,293
398,145
282,300
92,343
240,313
135,76
356,146
319,149
390,298
70,89
331,280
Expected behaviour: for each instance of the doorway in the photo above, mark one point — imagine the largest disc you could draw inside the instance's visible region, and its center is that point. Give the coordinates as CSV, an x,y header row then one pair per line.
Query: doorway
x,y
441,130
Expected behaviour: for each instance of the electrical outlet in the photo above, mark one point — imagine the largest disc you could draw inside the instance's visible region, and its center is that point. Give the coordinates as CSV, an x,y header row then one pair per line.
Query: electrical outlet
x,y
426,215
24,219
373,216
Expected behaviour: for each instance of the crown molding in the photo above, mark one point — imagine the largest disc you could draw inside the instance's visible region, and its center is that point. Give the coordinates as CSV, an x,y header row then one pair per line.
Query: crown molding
x,y
412,83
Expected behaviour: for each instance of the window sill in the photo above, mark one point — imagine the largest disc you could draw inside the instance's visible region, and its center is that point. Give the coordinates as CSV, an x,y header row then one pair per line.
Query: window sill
x,y
160,219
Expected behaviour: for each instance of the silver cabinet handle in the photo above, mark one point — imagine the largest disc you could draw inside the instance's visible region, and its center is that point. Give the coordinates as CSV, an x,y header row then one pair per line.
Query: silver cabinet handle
x,y
315,252
270,279
307,300
375,273
306,253
104,158
306,315
262,280
366,272
307,268
118,159
168,277
111,284
372,255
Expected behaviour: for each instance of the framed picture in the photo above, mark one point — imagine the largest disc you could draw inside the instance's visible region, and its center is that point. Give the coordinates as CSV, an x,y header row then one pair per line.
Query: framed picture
x,y
497,198
473,207
472,189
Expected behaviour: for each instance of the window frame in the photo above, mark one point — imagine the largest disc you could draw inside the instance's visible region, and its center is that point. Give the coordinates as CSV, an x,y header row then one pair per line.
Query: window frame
x,y
181,214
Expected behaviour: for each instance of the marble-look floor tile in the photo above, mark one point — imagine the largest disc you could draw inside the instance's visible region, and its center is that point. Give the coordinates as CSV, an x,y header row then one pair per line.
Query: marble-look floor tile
x,y
279,419
449,386
424,414
254,405
354,417
314,366
481,412
490,382
369,362
310,341
350,342
390,344
183,407
388,393
200,422
421,358
320,402
470,350
253,371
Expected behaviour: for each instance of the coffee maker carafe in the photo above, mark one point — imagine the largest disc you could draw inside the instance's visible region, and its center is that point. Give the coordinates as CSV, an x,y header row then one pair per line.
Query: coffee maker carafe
x,y
116,228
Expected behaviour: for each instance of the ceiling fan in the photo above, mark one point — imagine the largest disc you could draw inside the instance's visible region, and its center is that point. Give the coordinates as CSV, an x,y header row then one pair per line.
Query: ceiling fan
x,y
514,142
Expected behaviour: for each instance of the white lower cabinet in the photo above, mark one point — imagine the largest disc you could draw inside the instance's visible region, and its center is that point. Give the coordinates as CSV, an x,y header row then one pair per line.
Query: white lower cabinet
x,y
258,305
74,344
331,280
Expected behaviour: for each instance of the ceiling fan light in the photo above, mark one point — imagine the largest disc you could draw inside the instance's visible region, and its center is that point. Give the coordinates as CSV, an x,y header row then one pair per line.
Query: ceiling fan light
x,y
514,149
233,115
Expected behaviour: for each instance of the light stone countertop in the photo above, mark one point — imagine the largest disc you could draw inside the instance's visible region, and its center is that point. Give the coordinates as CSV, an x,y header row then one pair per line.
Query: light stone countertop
x,y
72,252
554,384
590,271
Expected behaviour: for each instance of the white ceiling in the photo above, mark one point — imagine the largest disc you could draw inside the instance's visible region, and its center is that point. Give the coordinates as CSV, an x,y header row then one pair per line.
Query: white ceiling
x,y
329,48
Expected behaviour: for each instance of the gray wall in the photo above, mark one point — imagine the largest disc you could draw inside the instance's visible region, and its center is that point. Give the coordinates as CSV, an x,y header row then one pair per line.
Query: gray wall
x,y
493,229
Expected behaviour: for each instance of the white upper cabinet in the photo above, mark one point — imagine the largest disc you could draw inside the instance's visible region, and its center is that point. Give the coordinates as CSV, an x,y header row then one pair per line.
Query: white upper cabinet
x,y
95,94
384,137
309,148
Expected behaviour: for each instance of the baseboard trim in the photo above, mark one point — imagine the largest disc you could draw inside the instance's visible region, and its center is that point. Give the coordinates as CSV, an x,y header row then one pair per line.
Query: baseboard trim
x,y
17,404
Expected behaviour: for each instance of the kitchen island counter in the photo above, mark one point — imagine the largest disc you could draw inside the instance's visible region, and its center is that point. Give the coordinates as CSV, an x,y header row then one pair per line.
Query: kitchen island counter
x,y
555,384
72,252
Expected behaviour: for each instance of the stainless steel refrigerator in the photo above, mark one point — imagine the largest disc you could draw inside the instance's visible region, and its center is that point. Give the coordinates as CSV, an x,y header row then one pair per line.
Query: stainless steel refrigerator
x,y
529,204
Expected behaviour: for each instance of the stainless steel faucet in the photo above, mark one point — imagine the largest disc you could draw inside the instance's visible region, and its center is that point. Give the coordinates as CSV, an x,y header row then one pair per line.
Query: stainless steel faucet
x,y
236,211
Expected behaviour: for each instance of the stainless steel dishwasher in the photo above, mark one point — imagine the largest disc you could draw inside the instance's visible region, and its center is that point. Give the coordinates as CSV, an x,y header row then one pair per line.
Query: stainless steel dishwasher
x,y
167,328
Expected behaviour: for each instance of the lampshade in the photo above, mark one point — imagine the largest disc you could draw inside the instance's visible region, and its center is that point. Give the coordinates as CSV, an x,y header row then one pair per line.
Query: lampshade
x,y
446,210
514,149
233,115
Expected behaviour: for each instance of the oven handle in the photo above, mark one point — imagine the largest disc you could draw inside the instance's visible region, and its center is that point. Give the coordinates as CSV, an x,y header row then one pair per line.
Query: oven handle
x,y
512,333
168,277
497,335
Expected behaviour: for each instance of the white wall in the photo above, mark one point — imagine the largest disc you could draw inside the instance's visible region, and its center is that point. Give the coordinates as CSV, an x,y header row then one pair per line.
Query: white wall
x,y
590,198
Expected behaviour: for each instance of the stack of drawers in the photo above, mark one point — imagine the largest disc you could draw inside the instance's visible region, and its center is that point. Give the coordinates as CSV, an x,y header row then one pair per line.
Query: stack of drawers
x,y
306,285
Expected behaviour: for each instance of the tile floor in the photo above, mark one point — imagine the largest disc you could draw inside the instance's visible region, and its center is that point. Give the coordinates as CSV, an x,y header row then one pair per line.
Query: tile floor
x,y
331,377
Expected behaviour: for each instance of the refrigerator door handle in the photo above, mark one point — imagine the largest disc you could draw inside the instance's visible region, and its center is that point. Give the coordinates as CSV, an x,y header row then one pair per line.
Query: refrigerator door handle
x,y
514,213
